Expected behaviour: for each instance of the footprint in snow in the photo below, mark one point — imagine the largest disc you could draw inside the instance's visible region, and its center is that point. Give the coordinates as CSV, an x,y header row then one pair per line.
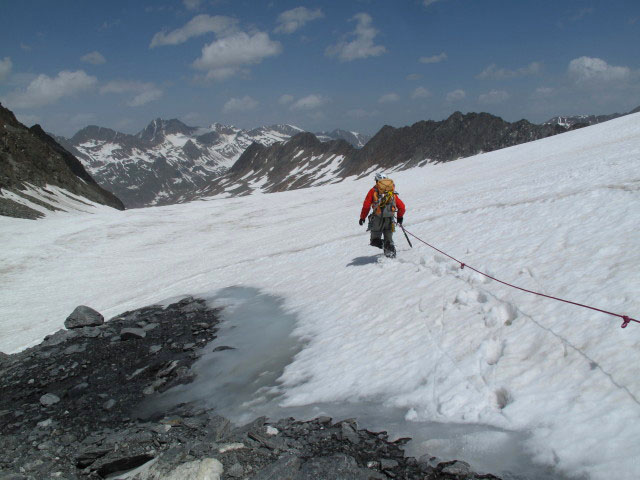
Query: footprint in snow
x,y
469,297
493,350
502,398
504,313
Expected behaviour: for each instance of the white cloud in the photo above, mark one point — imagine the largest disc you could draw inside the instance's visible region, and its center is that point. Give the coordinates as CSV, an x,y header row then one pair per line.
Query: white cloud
x,y
594,71
225,57
5,67
197,26
123,87
426,3
192,4
310,102
456,95
95,58
145,97
504,73
25,47
493,97
243,104
414,76
285,99
144,92
389,98
44,90
292,20
420,92
433,59
362,45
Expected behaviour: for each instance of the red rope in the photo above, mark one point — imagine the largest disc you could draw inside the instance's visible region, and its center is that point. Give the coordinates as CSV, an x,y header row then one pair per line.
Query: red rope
x,y
625,318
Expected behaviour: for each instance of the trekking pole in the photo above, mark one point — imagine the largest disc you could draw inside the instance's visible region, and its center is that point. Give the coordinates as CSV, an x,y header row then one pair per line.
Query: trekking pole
x,y
405,235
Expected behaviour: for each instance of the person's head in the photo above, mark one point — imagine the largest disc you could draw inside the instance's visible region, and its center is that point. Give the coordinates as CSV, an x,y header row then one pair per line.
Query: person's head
x,y
379,176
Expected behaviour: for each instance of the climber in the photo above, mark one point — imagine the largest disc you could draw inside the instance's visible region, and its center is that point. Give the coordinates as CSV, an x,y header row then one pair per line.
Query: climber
x,y
384,203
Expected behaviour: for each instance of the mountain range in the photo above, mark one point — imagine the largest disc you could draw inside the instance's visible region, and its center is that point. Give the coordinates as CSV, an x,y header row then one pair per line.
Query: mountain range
x,y
304,161
168,160
584,120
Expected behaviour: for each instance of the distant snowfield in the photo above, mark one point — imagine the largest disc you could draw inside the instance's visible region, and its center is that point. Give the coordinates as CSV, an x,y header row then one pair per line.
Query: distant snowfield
x,y
559,215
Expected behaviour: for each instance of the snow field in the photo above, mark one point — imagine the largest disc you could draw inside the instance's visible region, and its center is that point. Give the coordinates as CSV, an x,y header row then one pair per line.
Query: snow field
x,y
558,215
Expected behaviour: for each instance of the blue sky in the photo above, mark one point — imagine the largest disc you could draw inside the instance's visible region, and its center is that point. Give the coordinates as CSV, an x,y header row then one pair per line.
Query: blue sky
x,y
320,65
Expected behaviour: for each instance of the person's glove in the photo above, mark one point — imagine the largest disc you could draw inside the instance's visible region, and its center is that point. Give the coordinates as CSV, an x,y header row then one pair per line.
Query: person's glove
x,y
400,220
361,221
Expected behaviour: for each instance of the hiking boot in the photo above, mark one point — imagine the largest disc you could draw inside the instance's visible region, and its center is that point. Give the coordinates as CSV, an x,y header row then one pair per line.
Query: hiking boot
x,y
389,250
376,242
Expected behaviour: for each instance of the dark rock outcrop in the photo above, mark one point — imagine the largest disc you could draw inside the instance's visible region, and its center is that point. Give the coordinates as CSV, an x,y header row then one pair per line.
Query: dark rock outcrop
x,y
456,137
28,156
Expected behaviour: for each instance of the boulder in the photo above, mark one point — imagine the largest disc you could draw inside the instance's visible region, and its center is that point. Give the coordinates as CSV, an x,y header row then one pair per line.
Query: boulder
x,y
49,399
83,316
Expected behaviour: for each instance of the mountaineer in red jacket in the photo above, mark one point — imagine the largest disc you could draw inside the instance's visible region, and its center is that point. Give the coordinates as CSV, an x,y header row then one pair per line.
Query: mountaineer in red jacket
x,y
385,203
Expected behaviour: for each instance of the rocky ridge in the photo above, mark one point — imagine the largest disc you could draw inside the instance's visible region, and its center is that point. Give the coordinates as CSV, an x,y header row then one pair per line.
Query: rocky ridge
x,y
68,410
569,121
303,162
36,173
459,136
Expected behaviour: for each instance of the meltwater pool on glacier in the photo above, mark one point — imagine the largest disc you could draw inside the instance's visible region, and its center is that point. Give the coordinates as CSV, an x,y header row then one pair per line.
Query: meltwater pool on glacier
x,y
237,375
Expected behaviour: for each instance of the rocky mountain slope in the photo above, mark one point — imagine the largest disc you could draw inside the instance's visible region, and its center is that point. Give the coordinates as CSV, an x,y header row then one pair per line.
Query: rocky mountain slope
x,y
584,120
356,139
460,135
304,161
168,161
37,174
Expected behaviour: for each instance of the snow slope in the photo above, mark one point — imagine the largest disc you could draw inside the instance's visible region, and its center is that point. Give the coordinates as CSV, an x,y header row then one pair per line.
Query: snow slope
x,y
559,215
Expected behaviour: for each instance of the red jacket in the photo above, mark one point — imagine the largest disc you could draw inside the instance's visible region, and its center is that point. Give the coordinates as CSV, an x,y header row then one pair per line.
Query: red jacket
x,y
366,206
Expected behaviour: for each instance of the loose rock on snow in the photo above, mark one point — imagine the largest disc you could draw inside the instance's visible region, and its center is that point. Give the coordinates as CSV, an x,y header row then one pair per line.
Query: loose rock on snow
x,y
68,410
84,316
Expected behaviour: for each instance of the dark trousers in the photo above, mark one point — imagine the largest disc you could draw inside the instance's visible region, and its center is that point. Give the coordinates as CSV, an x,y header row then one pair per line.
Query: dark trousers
x,y
380,226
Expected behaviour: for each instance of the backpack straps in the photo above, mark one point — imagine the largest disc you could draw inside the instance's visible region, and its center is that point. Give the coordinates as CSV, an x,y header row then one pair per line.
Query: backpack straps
x,y
381,200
